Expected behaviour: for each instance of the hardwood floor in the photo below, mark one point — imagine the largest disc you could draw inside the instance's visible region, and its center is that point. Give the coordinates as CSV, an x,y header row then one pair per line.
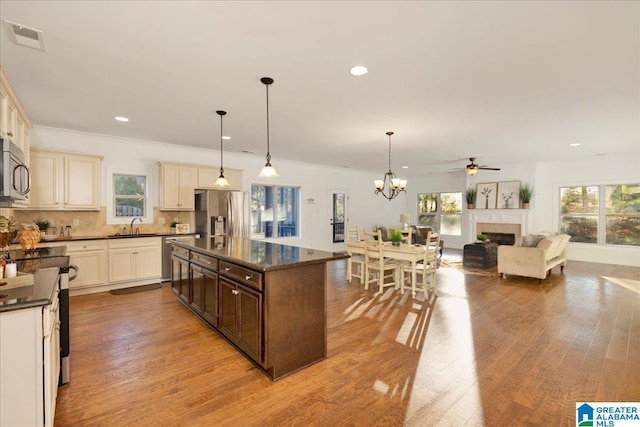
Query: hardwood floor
x,y
487,351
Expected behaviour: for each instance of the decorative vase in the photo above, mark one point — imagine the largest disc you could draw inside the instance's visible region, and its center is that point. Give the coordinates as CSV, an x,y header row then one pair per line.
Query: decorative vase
x,y
395,243
470,206
525,205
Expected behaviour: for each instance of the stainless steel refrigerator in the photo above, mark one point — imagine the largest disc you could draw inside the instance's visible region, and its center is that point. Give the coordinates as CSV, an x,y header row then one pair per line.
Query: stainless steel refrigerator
x,y
221,214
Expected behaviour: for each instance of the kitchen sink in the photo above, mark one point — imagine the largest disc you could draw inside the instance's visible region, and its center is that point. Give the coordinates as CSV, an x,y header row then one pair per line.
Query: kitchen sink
x,y
129,236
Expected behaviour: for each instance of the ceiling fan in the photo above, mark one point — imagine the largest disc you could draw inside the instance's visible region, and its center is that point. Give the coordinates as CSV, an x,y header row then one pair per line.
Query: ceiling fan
x,y
472,168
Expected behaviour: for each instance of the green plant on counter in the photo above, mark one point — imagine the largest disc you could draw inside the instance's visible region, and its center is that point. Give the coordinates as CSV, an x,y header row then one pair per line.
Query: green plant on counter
x,y
481,237
174,223
43,224
395,235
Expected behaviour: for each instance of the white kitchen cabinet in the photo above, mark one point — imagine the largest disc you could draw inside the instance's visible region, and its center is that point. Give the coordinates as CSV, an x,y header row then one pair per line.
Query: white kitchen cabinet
x,y
90,256
177,183
29,365
64,181
14,122
135,260
207,178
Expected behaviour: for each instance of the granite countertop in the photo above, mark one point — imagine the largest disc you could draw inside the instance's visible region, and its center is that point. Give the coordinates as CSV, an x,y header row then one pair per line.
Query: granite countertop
x,y
45,282
112,236
260,255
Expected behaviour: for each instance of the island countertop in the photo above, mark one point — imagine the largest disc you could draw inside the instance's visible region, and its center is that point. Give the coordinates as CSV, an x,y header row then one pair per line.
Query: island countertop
x,y
260,255
45,282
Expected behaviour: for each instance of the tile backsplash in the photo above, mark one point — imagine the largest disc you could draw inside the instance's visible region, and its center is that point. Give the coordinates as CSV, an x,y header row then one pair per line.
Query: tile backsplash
x,y
94,223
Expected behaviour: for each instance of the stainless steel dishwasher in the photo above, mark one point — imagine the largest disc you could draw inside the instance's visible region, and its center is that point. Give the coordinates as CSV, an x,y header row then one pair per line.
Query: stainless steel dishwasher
x,y
167,241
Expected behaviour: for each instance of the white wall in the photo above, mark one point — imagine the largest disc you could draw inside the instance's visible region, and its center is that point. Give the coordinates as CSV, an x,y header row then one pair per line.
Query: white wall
x,y
365,209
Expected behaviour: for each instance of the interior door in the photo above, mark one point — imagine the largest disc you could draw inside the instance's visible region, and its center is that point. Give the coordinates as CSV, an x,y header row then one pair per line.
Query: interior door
x,y
338,218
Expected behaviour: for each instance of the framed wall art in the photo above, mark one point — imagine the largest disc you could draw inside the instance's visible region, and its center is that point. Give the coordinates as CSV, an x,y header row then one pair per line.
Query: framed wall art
x,y
509,195
486,195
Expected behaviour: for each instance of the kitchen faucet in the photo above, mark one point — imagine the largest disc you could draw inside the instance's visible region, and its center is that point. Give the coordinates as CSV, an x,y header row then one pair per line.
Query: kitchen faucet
x,y
131,226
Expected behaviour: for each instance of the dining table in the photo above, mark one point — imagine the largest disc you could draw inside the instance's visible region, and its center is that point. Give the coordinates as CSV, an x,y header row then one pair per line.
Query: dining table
x,y
413,253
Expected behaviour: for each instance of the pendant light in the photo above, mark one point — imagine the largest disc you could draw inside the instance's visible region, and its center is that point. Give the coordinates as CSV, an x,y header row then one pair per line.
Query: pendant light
x,y
221,181
395,185
267,171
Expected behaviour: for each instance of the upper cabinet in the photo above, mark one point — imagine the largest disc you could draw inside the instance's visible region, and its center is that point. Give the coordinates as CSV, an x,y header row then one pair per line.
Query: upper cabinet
x,y
207,178
177,183
64,181
14,122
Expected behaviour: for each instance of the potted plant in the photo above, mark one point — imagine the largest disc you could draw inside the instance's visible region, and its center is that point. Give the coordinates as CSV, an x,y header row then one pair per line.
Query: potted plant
x,y
526,194
396,236
470,197
43,226
482,238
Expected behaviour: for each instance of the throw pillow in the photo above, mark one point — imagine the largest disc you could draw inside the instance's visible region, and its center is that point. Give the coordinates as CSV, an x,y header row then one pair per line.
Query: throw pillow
x,y
532,240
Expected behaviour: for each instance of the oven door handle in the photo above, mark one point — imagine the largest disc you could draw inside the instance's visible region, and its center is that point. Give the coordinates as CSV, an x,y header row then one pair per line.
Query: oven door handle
x,y
74,268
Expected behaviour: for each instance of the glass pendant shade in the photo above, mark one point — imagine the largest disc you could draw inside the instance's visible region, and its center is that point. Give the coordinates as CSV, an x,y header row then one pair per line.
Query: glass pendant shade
x,y
221,181
268,171
395,185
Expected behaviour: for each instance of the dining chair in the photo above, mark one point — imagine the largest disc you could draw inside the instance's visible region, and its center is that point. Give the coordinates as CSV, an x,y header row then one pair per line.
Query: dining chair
x,y
356,261
406,236
426,269
377,267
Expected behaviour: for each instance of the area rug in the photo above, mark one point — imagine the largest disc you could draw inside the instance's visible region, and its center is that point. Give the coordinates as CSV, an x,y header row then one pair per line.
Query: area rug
x,y
457,264
133,289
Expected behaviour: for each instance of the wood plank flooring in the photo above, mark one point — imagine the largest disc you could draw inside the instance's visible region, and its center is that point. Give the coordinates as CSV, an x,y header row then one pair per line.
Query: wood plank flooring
x,y
486,352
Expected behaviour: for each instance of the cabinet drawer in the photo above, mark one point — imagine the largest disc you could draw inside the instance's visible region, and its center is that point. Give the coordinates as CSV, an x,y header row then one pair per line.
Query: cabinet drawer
x,y
82,247
180,252
204,260
245,275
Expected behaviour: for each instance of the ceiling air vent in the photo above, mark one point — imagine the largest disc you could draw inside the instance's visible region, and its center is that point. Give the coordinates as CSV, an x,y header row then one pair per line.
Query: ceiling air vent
x,y
25,36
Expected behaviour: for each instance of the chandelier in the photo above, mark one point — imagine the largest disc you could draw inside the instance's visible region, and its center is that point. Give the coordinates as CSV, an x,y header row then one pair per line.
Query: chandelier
x,y
393,185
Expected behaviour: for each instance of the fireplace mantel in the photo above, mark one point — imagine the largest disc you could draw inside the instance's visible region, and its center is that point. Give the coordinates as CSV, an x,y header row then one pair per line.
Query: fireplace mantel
x,y
500,216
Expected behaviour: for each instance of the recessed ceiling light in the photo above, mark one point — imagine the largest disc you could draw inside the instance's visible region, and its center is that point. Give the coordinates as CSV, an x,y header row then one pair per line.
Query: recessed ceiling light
x,y
575,144
226,137
405,167
121,119
358,70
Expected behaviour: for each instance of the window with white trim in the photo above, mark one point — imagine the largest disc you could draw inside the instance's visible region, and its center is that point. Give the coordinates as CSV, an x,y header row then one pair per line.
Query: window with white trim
x,y
274,211
441,211
127,197
601,214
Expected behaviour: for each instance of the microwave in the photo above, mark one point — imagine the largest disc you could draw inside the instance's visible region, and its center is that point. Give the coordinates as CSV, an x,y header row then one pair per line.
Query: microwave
x,y
15,181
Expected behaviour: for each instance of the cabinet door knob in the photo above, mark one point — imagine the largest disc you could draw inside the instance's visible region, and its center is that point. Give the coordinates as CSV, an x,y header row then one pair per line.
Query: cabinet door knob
x,y
10,133
235,292
227,269
247,277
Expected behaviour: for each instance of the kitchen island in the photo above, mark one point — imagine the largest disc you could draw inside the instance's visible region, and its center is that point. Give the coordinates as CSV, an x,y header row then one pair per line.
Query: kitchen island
x,y
267,299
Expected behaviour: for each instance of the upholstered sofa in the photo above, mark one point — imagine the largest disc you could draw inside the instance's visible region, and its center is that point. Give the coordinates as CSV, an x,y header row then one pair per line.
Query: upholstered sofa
x,y
533,255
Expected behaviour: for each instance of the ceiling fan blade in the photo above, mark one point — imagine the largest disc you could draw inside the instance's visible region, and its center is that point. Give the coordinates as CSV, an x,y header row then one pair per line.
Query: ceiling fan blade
x,y
488,169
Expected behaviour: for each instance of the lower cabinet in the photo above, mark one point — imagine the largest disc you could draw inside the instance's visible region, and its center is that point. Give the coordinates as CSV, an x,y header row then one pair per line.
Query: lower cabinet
x,y
134,260
241,317
204,293
276,318
180,278
90,257
29,365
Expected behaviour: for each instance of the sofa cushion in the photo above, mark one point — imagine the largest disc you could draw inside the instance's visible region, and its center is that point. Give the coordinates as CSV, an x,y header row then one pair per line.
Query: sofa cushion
x,y
532,240
553,246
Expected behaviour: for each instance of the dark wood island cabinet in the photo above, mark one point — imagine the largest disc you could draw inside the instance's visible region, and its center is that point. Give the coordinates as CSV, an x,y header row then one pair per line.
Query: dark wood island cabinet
x,y
267,299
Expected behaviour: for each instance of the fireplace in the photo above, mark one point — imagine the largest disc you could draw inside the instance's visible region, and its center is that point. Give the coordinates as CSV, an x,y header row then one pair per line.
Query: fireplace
x,y
502,221
500,238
